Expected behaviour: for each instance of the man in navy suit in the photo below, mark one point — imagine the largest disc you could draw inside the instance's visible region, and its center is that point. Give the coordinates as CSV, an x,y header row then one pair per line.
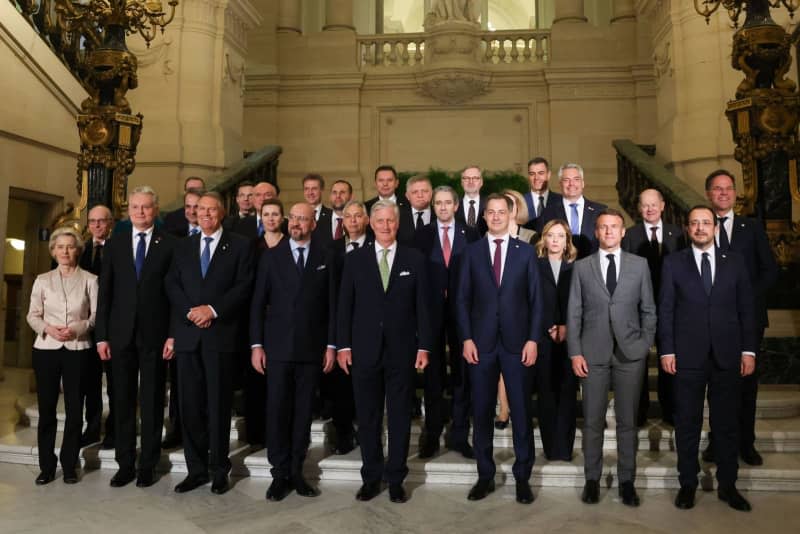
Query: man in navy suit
x,y
707,337
540,196
747,237
208,285
470,210
175,221
330,224
499,315
653,239
383,331
442,243
386,183
581,213
292,334
133,332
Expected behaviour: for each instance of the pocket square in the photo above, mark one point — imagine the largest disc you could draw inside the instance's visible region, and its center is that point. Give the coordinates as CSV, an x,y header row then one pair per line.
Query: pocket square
x,y
321,268
405,273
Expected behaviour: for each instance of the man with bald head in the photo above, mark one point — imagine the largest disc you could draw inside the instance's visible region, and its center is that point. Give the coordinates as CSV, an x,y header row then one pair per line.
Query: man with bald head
x,y
653,239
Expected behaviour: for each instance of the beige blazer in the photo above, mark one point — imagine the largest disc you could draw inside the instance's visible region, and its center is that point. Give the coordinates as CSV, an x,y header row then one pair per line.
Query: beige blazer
x,y
71,302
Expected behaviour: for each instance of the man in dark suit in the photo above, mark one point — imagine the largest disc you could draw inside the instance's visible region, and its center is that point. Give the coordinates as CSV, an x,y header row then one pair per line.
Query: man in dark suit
x,y
386,183
707,337
175,221
292,331
581,213
443,243
383,332
185,225
747,237
653,239
499,314
331,226
98,222
133,332
540,196
470,210
244,204
313,187
208,284
418,193
251,226
611,324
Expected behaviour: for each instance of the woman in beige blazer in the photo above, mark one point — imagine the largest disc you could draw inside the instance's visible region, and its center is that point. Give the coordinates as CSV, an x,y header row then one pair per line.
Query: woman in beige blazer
x,y
62,313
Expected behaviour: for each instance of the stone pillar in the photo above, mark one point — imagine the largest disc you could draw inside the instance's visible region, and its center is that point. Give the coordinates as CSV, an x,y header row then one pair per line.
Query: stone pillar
x,y
569,11
289,16
339,15
623,10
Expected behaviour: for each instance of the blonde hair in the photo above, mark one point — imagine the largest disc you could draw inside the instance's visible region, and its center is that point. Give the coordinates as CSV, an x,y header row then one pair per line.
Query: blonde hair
x,y
64,230
570,252
522,206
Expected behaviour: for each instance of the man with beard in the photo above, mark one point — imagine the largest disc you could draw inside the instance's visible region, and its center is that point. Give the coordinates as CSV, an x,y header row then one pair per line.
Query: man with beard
x,y
331,226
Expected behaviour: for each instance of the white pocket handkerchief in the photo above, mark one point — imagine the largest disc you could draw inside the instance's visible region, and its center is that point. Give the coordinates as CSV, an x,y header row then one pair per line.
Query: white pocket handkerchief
x,y
405,273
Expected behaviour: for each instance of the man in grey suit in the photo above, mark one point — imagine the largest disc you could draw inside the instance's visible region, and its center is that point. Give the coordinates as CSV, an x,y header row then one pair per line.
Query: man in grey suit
x,y
611,323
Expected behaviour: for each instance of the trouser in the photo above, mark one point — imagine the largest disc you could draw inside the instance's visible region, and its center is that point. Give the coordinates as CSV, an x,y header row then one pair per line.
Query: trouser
x,y
556,388
92,394
174,396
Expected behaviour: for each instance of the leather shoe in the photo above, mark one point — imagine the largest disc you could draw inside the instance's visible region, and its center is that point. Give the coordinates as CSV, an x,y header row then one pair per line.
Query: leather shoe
x,y
751,457
524,493
70,477
45,477
591,492
304,489
499,424
121,478
191,482
465,449
482,488
685,498
708,454
279,489
397,493
108,443
145,478
734,499
368,491
428,449
628,494
171,441
220,484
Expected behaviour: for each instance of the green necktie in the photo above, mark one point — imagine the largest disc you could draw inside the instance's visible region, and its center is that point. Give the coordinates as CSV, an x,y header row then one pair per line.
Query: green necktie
x,y
383,267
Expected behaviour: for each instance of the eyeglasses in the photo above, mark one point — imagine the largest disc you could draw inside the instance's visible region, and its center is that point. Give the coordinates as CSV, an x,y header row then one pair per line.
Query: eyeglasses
x,y
471,178
299,218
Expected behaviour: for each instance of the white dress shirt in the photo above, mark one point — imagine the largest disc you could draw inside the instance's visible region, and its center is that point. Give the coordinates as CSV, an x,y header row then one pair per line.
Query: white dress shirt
x,y
294,245
212,246
393,198
426,215
604,261
135,240
535,197
465,206
698,259
349,246
659,230
389,256
503,251
568,210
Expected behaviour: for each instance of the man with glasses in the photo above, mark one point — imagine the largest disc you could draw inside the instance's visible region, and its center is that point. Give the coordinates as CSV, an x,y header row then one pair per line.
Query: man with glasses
x,y
470,210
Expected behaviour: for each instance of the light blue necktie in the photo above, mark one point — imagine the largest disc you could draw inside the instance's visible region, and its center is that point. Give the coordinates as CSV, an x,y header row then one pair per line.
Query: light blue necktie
x,y
194,230
141,251
205,257
574,227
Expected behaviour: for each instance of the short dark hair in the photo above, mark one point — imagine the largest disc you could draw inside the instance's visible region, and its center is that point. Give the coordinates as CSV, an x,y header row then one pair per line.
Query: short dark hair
x,y
610,212
345,182
216,196
272,202
275,185
243,184
702,207
537,160
315,177
720,172
385,168
186,181
500,196
193,191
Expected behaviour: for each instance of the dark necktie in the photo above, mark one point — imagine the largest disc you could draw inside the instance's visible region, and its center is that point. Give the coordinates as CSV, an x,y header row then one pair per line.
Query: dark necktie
x,y
260,227
301,259
97,260
338,232
141,251
205,256
420,223
497,264
193,230
471,215
355,244
611,274
724,242
540,206
705,273
654,244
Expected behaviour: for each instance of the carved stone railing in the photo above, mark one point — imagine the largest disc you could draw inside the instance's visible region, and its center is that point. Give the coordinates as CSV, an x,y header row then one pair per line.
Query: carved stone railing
x,y
638,169
515,46
391,50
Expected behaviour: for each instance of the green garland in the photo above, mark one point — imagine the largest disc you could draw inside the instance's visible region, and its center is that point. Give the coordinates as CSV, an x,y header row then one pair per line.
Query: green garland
x,y
493,181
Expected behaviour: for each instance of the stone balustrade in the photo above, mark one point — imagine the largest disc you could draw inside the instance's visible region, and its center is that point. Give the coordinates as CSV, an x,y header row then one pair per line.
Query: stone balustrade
x,y
391,50
515,46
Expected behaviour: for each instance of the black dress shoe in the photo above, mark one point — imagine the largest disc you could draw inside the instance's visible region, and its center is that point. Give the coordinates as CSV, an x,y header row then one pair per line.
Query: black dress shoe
x,y
368,491
122,478
87,438
220,484
465,449
279,489
685,498
171,441
45,477
499,424
428,449
70,477
145,478
591,492
751,457
482,488
397,493
734,499
628,494
708,454
304,489
191,482
524,493
108,443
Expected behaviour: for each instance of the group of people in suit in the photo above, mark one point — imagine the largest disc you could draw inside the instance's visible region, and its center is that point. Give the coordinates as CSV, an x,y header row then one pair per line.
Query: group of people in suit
x,y
354,303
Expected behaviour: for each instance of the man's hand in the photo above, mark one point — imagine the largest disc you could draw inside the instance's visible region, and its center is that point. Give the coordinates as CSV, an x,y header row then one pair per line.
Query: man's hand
x,y
529,353
422,360
345,360
553,333
470,352
169,349
201,316
258,359
748,364
104,351
328,360
579,366
562,333
668,364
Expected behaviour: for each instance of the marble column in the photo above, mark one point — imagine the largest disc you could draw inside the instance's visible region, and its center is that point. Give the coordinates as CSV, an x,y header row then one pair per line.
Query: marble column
x,y
623,10
339,15
289,16
569,11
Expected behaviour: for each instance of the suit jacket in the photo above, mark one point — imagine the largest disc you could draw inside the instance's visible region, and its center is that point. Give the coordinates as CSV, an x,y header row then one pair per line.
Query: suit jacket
x,y
407,228
596,319
73,303
85,261
480,222
248,227
555,295
323,233
176,224
749,239
585,242
692,325
384,327
637,241
531,201
492,316
226,288
290,314
131,310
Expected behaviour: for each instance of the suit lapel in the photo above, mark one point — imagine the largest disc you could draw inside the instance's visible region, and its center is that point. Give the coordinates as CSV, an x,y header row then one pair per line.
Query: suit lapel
x,y
219,253
587,222
486,252
511,259
395,268
595,263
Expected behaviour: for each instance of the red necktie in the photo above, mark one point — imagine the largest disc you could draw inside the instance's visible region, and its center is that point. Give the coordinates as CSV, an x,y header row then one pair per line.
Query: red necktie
x,y
446,248
497,263
338,232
